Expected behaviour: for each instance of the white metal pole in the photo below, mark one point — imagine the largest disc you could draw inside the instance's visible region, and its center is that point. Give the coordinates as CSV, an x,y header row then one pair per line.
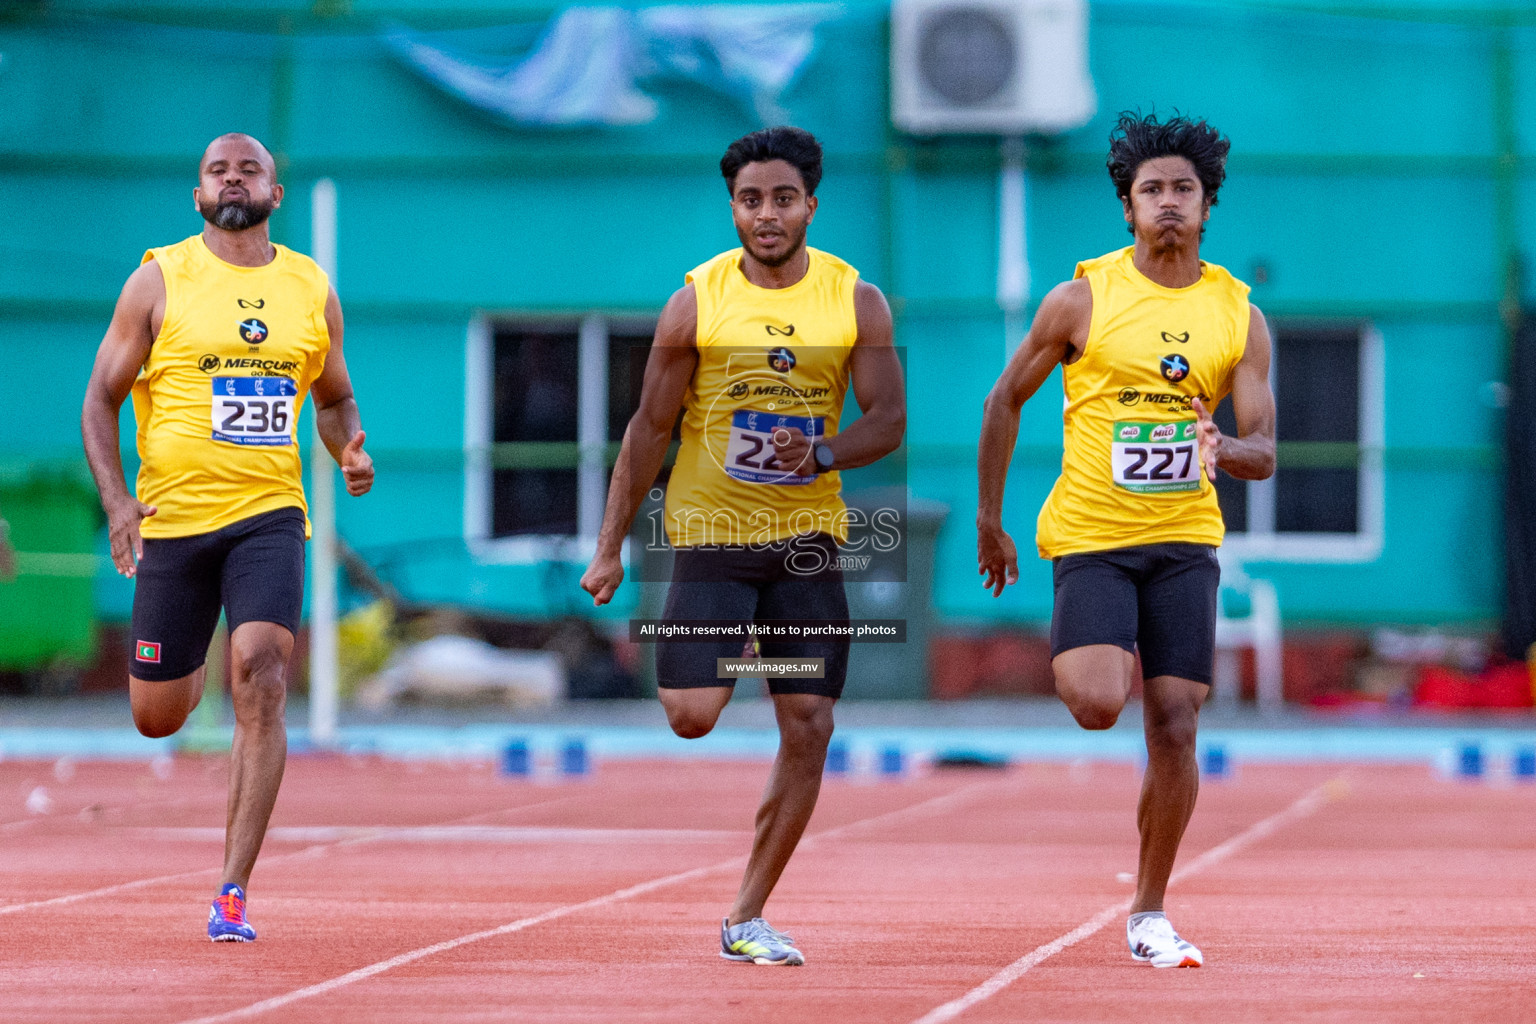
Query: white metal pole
x,y
1012,244
323,666
592,427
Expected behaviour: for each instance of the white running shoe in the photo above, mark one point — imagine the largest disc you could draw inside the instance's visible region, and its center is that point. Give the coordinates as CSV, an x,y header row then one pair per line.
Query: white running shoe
x,y
758,942
1153,939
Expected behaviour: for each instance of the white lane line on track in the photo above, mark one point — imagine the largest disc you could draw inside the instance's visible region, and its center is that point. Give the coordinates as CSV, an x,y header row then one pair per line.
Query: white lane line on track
x,y
619,895
108,890
309,851
97,810
449,834
1306,805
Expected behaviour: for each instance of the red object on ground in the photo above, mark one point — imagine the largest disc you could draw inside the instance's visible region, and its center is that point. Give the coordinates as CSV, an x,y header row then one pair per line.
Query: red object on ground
x,y
429,893
1320,663
999,663
1441,687
1506,685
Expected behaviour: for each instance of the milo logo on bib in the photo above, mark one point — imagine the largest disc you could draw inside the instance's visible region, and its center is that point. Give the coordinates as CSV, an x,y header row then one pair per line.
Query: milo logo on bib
x,y
1155,458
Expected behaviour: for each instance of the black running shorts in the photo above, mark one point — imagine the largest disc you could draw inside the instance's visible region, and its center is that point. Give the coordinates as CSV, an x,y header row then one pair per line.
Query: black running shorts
x,y
1158,598
755,584
254,569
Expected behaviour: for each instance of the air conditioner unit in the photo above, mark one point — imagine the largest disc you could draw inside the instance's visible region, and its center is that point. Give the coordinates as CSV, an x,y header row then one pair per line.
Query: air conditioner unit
x,y
1003,67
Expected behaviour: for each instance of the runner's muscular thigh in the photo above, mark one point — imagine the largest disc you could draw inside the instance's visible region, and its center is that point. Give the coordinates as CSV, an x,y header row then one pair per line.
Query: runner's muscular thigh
x,y
692,711
1101,673
160,708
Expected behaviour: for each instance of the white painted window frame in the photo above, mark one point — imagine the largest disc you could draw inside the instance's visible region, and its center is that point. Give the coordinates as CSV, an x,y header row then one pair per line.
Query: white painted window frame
x,y
1261,543
592,332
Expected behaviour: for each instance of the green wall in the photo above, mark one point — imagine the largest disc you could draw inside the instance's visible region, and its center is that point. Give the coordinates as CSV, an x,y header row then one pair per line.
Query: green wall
x,y
1366,177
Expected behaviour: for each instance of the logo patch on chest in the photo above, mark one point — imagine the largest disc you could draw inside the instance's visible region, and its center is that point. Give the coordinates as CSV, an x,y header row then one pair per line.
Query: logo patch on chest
x,y
253,331
1174,367
781,359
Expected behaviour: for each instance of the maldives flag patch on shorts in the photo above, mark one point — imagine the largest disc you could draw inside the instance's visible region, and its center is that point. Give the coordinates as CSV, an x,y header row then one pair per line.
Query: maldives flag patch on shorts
x,y
146,651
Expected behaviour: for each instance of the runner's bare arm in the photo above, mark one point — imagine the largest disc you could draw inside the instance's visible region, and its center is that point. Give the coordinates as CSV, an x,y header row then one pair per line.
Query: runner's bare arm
x,y
1059,330
668,372
1251,454
336,414
124,350
877,387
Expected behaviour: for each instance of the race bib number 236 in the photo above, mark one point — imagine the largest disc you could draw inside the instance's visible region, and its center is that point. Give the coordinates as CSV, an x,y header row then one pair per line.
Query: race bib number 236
x,y
253,410
1154,458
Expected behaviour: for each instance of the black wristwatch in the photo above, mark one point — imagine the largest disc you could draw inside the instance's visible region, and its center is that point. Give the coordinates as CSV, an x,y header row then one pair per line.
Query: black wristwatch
x,y
824,457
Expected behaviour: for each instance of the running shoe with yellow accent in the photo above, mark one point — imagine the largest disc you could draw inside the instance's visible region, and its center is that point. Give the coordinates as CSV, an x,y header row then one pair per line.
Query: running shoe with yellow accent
x,y
756,941
226,919
1153,940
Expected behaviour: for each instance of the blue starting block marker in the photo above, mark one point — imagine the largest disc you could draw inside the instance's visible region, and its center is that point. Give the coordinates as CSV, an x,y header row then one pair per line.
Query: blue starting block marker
x,y
515,760
1522,765
573,757
892,760
1214,763
838,760
546,761
1470,763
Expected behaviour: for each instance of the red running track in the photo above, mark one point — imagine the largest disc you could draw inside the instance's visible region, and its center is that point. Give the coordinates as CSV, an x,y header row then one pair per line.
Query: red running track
x,y
435,893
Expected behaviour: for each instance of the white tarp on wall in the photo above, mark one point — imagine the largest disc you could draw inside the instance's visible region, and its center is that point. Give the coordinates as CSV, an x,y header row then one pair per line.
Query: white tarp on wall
x,y
587,65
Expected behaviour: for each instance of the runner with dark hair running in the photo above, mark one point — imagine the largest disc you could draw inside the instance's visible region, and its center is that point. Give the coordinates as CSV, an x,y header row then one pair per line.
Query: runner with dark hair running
x,y
757,350
1150,339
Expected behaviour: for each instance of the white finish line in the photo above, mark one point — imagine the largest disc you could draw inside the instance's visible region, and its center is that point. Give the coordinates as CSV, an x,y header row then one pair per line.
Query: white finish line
x,y
1302,808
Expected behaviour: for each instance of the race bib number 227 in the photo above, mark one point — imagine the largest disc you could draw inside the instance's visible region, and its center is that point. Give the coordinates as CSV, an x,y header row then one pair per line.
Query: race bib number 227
x,y
253,410
1154,458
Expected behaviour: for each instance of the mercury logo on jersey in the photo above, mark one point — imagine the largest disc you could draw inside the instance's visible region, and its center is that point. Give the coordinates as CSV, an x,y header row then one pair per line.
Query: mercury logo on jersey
x,y
1130,396
790,391
253,331
261,366
208,363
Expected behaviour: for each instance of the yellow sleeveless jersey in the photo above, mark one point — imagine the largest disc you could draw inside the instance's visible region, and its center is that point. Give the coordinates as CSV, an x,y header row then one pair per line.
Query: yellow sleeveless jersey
x,y
768,358
1130,472
218,400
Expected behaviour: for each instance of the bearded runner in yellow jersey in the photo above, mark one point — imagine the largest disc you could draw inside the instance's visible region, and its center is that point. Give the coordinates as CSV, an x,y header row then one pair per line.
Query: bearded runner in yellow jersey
x,y
220,338
757,350
1150,340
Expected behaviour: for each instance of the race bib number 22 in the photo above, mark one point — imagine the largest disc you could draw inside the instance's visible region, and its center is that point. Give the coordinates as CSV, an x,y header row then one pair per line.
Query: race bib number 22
x,y
253,410
749,454
1154,458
